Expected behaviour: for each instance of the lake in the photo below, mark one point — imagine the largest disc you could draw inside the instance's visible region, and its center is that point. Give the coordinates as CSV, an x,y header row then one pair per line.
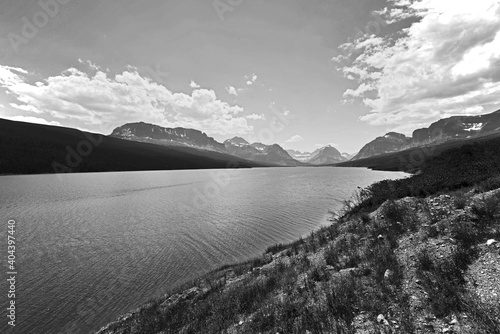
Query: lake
x,y
90,247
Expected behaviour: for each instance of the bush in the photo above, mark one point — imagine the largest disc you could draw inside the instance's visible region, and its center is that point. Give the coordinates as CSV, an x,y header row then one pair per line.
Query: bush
x,y
444,285
343,252
318,274
424,260
488,208
274,249
460,201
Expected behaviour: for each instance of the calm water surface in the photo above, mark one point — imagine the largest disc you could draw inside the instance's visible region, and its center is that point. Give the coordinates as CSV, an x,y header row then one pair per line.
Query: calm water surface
x,y
91,247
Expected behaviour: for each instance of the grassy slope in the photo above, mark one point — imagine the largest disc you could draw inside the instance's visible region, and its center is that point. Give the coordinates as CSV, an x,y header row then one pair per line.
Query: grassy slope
x,y
32,149
388,264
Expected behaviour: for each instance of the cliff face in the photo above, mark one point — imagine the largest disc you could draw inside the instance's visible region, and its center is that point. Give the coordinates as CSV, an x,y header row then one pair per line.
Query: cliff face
x,y
167,136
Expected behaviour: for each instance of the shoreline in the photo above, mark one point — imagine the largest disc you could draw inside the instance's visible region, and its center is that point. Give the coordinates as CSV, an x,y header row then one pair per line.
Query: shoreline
x,y
399,258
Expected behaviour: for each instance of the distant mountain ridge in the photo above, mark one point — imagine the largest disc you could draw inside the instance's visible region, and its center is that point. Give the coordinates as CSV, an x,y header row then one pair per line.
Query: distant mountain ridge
x,y
156,134
452,128
237,146
391,142
326,155
259,152
458,127
322,156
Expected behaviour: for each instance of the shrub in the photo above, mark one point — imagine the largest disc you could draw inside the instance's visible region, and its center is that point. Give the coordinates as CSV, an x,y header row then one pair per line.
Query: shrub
x,y
465,232
318,274
342,298
488,208
490,184
274,249
394,212
460,201
444,284
424,260
343,252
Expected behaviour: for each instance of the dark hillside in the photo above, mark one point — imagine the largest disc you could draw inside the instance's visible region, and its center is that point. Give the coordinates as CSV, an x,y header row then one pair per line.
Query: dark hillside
x,y
27,148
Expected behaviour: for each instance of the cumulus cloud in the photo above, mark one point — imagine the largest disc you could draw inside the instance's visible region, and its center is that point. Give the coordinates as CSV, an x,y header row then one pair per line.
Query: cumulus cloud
x,y
92,100
256,117
233,90
251,79
445,63
295,139
194,85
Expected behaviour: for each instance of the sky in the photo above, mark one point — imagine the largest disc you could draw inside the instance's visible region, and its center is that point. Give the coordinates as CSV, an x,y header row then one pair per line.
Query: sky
x,y
300,73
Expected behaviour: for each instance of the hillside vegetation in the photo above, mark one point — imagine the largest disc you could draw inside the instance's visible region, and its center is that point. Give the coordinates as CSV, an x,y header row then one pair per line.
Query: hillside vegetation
x,y
417,255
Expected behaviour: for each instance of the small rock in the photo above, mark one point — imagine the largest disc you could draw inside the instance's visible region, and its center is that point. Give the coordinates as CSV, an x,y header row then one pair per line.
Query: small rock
x,y
388,274
446,330
491,242
380,237
241,323
382,320
454,321
350,271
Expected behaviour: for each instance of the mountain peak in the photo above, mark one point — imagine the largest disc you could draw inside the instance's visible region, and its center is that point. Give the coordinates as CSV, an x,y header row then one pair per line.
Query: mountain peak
x,y
236,141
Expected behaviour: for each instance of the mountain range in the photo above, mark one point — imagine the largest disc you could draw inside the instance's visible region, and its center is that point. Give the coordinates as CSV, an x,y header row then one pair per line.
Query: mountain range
x,y
32,148
444,130
237,146
322,156
156,134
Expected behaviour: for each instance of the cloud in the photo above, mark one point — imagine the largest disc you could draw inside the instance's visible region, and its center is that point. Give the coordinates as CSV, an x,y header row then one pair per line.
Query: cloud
x,y
256,117
88,101
447,62
194,85
295,139
29,119
90,64
251,79
234,91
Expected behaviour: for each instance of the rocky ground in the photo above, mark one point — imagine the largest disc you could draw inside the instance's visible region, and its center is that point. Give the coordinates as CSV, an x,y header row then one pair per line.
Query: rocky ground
x,y
416,265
